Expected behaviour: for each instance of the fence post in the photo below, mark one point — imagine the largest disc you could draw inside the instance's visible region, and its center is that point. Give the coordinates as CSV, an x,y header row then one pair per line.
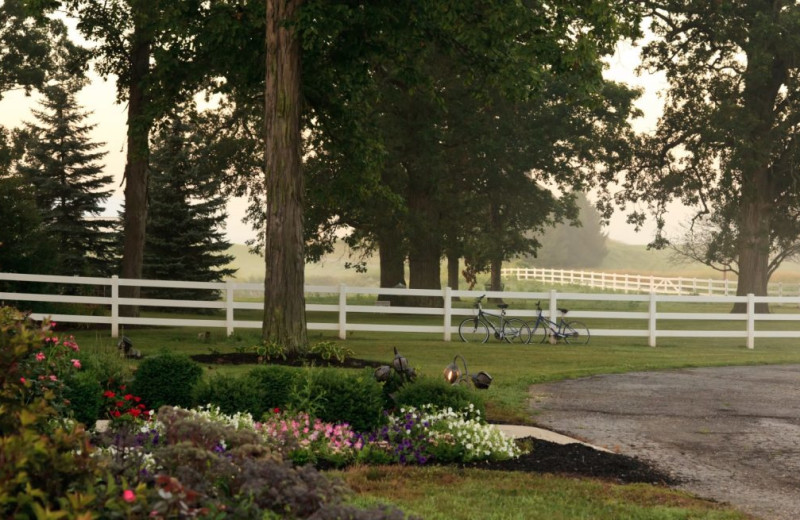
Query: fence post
x,y
342,312
651,325
448,311
115,306
229,307
553,304
751,321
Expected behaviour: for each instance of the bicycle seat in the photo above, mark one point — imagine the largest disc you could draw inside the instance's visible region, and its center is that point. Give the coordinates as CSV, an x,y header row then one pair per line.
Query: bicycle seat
x,y
563,311
502,306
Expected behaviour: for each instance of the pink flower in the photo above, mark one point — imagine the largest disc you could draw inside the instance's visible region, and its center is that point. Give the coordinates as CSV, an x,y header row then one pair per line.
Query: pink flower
x,y
76,363
128,496
22,380
53,378
40,356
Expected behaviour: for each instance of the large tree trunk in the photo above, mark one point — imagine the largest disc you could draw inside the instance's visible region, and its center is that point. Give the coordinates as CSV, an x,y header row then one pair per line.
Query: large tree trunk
x,y
284,301
754,246
764,77
424,240
453,271
136,171
392,263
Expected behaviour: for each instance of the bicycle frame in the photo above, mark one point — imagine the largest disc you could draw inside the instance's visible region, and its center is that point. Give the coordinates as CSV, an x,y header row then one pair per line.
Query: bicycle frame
x,y
483,324
484,317
557,330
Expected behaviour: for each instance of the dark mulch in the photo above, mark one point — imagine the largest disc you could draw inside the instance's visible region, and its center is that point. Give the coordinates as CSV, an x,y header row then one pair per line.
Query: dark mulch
x,y
580,460
251,358
542,457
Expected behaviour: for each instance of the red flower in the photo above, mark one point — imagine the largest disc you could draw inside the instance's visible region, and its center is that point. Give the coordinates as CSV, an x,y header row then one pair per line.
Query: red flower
x,y
109,394
128,397
135,412
116,413
120,404
276,410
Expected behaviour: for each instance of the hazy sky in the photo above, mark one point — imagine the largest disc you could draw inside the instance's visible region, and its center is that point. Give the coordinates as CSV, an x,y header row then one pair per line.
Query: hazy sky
x,y
99,99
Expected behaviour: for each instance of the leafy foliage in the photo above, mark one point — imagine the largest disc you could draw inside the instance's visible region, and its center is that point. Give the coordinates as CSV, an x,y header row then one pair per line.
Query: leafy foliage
x,y
439,393
727,142
166,379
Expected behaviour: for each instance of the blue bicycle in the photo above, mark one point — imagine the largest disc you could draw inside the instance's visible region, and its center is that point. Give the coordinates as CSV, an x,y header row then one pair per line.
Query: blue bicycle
x,y
574,332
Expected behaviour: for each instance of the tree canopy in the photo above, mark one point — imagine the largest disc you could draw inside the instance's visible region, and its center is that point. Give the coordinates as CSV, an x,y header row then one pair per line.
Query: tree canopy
x,y
727,142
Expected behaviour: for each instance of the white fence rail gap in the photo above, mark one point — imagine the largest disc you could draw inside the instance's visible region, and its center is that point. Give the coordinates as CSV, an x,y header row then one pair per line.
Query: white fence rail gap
x,y
105,309
636,283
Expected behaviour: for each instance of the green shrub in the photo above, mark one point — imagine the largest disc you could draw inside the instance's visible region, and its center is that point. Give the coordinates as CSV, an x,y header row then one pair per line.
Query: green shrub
x,y
355,399
440,394
110,369
166,379
275,382
85,397
231,394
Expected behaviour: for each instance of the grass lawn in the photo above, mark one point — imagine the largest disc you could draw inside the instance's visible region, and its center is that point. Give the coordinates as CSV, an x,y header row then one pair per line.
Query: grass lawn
x,y
444,492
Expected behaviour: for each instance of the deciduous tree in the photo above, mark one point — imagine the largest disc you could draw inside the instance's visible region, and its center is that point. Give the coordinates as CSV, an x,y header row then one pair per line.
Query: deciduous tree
x,y
727,142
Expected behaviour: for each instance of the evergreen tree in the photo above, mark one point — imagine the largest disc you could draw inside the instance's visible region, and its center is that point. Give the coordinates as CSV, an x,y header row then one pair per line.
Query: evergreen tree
x,y
24,246
185,240
62,163
577,244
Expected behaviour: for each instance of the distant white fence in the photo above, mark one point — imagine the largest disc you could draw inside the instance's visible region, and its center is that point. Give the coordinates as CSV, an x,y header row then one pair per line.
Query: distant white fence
x,y
447,316
636,283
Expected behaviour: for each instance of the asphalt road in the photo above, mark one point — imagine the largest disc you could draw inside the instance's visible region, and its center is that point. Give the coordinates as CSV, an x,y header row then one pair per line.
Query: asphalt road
x,y
731,434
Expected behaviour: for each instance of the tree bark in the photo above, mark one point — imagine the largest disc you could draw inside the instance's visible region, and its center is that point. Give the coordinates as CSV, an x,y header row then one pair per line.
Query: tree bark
x,y
764,77
754,245
453,271
392,264
424,239
136,171
284,300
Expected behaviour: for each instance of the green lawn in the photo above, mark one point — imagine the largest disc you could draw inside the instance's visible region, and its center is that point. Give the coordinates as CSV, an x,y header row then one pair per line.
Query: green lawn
x,y
442,492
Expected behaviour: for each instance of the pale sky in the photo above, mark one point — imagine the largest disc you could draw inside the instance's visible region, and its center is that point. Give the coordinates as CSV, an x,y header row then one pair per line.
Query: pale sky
x,y
99,99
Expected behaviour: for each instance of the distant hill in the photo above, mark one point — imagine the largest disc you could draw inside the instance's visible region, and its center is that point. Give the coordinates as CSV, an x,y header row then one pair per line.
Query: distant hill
x,y
621,258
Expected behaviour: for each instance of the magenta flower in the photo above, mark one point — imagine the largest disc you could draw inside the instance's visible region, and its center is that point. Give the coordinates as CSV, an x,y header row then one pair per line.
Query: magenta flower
x,y
76,363
40,356
128,496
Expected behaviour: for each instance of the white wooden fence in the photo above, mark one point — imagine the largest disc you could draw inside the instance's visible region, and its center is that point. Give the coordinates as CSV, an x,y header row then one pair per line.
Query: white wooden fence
x,y
636,283
448,316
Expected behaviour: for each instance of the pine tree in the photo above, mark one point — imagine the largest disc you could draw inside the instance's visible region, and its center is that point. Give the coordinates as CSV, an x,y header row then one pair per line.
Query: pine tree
x,y
185,240
62,163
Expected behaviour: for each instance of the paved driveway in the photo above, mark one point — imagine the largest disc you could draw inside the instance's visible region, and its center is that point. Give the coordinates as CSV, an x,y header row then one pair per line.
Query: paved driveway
x,y
731,434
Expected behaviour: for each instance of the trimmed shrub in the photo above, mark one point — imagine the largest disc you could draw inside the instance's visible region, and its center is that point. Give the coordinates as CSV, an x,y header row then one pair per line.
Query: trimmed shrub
x,y
341,397
166,379
231,394
275,382
85,397
440,394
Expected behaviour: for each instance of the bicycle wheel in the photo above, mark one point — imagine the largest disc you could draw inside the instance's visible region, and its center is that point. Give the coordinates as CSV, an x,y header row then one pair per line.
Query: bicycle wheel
x,y
473,330
516,331
576,333
539,333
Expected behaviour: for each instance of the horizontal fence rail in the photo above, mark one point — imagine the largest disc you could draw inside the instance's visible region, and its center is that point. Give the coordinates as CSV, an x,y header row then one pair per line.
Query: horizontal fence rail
x,y
636,283
100,303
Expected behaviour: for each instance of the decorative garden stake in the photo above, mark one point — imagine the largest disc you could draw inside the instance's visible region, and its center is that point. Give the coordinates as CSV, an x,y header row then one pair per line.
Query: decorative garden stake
x,y
453,375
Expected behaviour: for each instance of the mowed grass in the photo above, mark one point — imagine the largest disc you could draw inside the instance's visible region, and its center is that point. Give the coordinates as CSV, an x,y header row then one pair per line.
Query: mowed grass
x,y
514,367
446,493
451,493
